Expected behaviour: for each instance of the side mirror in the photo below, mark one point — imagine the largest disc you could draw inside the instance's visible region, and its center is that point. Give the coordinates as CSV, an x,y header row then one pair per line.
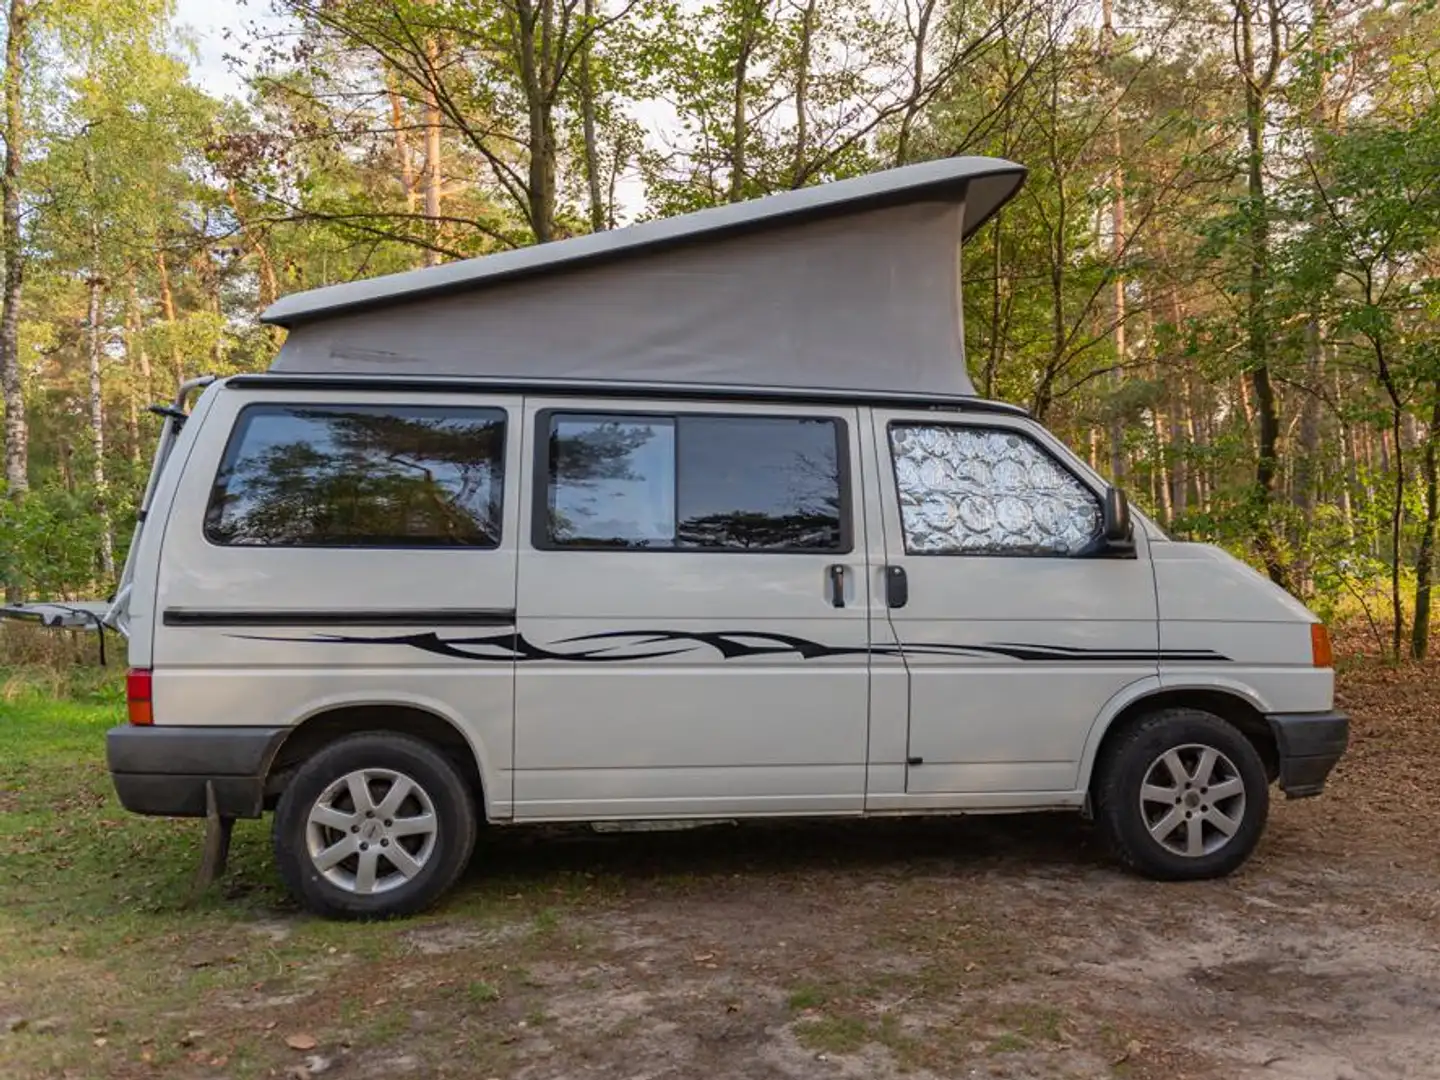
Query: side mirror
x,y
1118,532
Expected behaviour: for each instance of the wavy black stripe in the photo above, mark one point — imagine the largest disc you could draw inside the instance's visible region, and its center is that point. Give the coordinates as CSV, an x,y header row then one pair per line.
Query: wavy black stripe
x,y
617,646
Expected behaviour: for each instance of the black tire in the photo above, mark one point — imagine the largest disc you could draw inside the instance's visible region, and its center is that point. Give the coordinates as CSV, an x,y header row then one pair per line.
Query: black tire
x,y
453,834
1126,825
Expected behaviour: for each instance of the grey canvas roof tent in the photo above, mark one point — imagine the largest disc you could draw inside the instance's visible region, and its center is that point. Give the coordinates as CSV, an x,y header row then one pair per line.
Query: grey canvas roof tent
x,y
852,285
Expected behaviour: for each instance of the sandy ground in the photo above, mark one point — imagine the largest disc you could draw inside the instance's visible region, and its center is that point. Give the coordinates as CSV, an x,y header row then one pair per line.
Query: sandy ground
x,y
976,947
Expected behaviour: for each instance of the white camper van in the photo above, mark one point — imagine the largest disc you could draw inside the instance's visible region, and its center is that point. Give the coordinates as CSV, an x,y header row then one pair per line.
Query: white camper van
x,y
699,519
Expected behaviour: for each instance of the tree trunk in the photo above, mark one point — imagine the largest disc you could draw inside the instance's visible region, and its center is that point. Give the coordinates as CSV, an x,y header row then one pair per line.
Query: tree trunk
x,y
1117,255
1425,558
167,308
992,357
404,159
96,287
534,26
802,91
133,374
1257,87
17,454
587,120
269,290
434,177
920,40
739,117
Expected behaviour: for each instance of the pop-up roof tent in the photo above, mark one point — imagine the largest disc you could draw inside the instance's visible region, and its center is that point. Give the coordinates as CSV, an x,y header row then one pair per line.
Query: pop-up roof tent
x,y
852,285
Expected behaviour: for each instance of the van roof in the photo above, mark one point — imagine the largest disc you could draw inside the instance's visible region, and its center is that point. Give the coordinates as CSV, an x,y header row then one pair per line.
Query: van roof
x,y
850,285
601,389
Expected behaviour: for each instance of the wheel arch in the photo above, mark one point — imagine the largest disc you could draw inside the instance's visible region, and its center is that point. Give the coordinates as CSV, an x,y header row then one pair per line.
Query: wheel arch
x,y
1234,703
328,721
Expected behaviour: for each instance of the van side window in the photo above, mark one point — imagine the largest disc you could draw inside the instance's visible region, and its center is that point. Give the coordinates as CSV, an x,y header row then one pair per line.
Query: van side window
x,y
694,483
360,476
987,491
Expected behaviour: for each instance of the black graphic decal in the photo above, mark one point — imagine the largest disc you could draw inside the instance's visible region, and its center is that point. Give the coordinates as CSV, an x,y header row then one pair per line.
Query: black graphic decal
x,y
616,646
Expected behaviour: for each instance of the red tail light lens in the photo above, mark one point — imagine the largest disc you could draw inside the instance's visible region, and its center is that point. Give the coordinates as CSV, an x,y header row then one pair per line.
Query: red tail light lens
x,y
137,696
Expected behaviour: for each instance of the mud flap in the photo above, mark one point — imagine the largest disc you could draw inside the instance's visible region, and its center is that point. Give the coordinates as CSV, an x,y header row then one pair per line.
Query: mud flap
x,y
215,851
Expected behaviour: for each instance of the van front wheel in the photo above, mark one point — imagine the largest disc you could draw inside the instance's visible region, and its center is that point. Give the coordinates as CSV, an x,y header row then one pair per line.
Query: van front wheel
x,y
374,825
1182,796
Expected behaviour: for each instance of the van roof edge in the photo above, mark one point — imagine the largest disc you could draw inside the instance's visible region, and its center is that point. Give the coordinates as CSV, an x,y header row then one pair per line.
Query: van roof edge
x,y
616,388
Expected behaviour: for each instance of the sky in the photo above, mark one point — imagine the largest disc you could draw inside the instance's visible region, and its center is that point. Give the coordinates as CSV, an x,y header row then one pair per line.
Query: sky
x,y
206,21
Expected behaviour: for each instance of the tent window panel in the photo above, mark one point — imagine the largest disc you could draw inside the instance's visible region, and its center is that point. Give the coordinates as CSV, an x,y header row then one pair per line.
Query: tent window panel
x,y
360,476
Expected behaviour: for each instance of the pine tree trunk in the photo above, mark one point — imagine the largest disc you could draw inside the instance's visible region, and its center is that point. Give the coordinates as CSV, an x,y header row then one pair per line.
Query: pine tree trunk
x,y
920,43
1307,461
802,91
587,119
132,376
739,99
433,171
404,159
97,428
1117,254
17,454
1257,302
167,308
1425,558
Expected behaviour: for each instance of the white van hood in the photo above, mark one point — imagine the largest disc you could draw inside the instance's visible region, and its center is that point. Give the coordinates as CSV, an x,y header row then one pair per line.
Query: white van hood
x,y
1203,582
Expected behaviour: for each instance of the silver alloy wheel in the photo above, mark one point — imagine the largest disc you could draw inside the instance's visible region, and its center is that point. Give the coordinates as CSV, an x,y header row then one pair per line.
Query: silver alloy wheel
x,y
371,831
1192,800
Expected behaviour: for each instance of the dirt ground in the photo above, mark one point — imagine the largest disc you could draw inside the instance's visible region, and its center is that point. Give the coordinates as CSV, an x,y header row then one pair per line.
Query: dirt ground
x,y
980,947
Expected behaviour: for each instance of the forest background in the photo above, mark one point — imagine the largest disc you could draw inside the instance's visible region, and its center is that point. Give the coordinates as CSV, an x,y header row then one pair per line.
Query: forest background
x,y
1221,282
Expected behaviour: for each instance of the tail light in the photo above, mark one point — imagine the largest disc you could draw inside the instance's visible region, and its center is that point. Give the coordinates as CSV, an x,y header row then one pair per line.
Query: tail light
x,y
137,696
1321,654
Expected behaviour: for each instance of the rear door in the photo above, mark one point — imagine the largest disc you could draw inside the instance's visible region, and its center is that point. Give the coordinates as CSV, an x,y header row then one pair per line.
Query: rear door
x,y
1014,640
693,630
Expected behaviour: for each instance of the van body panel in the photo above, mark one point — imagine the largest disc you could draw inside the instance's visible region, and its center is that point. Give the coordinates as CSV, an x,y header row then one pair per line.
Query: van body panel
x,y
889,737
639,684
690,678
1258,633
150,540
1011,658
254,634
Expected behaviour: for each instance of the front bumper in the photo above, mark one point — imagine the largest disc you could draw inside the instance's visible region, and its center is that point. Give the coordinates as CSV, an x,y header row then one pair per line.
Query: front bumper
x,y
1309,745
165,770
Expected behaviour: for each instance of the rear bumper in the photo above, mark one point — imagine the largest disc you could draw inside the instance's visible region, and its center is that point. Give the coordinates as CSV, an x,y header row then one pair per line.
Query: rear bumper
x,y
165,770
1309,744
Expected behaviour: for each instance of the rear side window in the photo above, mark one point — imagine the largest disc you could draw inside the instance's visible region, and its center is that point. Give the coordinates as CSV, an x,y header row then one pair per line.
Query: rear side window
x,y
694,483
360,476
987,491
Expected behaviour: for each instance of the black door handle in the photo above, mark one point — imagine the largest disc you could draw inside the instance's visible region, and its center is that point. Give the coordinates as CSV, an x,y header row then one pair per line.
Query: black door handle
x,y
837,585
897,586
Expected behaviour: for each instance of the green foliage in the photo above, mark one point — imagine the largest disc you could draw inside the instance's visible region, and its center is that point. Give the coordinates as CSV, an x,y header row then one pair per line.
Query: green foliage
x,y
544,117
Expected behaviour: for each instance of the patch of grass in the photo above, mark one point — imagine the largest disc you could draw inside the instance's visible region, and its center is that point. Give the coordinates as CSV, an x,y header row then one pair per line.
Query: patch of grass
x,y
1036,1022
481,992
1009,1043
806,996
384,1026
547,921
833,1034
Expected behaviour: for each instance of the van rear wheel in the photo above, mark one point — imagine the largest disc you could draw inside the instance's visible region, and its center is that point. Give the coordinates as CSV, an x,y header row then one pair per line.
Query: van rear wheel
x,y
1182,796
372,826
